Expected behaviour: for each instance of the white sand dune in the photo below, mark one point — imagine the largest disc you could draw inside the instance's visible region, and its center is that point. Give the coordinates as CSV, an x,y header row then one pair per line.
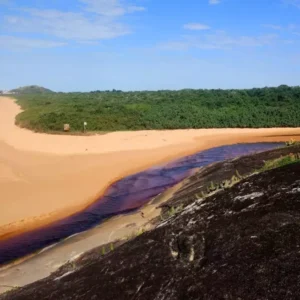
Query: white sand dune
x,y
46,177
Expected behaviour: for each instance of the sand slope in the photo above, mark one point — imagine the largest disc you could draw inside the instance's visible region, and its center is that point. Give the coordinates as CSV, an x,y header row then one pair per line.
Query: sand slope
x,y
45,177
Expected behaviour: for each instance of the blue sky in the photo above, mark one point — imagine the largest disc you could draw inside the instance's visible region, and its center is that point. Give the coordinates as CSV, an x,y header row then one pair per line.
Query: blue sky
x,y
83,45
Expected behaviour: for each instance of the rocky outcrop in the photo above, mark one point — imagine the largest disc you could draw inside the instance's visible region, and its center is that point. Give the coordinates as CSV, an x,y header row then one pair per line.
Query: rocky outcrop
x,y
241,242
222,172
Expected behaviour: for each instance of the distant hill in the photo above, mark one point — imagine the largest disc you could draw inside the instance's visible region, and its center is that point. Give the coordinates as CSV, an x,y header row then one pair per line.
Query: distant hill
x,y
31,89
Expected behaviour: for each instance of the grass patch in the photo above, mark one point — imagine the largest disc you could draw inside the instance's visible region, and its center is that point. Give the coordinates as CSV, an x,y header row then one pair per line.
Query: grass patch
x,y
291,142
171,212
280,162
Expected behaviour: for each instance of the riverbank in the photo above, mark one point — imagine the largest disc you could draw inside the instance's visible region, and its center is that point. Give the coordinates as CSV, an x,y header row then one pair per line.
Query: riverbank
x,y
47,261
182,197
48,177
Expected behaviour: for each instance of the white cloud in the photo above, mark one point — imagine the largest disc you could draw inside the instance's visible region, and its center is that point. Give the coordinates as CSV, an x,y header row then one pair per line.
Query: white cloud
x,y
110,7
96,21
218,40
196,26
4,2
288,42
19,43
294,29
293,2
67,25
292,26
214,2
174,46
272,26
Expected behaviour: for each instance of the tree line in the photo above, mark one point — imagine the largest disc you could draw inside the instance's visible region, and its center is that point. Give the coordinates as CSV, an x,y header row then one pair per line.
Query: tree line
x,y
117,110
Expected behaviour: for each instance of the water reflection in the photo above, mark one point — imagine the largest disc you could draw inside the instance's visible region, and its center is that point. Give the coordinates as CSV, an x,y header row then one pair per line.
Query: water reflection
x,y
123,196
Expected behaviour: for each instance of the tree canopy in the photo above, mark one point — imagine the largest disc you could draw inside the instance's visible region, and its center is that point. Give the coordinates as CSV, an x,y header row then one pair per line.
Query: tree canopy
x,y
117,110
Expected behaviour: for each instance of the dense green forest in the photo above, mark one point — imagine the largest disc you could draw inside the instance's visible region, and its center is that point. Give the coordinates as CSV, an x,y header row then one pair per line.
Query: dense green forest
x,y
116,110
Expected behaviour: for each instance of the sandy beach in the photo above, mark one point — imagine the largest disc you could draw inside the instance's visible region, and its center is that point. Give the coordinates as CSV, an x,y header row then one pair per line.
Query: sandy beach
x,y
47,177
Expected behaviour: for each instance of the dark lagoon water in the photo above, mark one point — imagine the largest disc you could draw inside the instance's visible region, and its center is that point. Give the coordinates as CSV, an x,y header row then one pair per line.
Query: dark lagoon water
x,y
124,196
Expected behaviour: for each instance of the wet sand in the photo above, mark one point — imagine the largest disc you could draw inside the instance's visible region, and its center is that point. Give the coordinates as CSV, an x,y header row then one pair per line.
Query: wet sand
x,y
42,264
47,177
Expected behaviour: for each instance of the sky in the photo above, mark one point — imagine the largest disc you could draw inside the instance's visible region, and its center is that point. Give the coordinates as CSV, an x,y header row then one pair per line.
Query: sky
x,y
84,45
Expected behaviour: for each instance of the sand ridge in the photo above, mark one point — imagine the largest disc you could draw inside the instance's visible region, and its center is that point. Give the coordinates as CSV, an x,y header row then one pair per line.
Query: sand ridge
x,y
47,177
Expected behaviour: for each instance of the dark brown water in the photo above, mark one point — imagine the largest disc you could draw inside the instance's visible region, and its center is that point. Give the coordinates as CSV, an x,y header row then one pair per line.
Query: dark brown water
x,y
123,196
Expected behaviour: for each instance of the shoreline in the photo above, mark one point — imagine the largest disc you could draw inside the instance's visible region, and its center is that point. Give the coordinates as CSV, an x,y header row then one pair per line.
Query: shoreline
x,y
17,228
52,165
117,228
19,272
45,220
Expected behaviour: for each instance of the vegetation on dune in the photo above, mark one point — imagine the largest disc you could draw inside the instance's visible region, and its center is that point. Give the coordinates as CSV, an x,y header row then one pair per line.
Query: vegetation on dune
x,y
31,89
111,111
